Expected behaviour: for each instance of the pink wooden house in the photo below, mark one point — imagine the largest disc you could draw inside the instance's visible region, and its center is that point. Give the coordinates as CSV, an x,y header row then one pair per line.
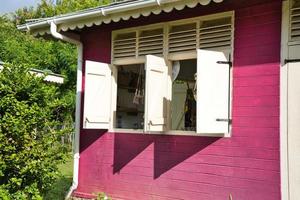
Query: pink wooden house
x,y
185,99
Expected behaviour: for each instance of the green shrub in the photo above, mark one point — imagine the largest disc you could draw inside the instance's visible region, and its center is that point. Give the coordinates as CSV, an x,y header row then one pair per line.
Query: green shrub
x,y
29,145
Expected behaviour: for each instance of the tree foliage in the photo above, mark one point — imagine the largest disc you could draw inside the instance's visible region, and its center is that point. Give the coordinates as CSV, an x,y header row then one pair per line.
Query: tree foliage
x,y
22,49
30,109
29,147
49,8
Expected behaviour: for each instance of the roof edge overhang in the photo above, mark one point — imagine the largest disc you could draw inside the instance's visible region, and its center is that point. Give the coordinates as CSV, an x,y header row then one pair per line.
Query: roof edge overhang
x,y
110,13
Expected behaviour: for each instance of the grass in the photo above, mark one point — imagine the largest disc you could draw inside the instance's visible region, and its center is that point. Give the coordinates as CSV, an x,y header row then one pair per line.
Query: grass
x,y
63,183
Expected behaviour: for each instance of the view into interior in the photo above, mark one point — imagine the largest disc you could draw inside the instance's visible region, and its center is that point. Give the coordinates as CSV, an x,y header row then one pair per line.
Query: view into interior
x,y
130,97
183,107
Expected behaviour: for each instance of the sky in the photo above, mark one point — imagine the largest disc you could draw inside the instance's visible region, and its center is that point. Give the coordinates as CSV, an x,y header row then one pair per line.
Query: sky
x,y
7,6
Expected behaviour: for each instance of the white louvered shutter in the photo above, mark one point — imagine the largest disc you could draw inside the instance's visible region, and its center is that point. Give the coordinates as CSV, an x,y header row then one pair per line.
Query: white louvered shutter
x,y
216,34
213,89
151,42
182,38
156,94
124,45
295,21
97,95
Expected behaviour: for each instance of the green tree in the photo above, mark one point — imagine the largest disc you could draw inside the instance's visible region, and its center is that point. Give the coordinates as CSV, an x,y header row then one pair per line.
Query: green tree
x,y
23,49
49,8
31,109
29,147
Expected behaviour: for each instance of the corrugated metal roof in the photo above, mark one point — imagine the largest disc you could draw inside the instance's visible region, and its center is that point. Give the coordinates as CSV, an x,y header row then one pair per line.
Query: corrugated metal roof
x,y
49,76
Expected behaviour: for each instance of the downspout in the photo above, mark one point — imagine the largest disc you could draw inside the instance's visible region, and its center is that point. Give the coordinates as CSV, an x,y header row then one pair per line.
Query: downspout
x,y
56,34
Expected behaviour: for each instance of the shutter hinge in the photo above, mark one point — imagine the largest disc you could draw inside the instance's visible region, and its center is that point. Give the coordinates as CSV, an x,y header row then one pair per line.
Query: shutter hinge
x,y
291,60
225,63
224,120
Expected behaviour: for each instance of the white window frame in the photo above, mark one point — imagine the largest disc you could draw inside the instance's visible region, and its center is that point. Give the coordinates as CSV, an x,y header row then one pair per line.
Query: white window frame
x,y
170,57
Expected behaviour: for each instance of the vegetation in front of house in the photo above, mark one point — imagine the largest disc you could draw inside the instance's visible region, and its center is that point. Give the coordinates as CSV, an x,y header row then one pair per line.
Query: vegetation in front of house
x,y
21,49
31,110
29,147
49,8
102,196
64,181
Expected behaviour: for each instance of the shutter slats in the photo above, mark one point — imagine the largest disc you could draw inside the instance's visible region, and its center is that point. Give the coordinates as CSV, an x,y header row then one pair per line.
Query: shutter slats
x,y
123,55
124,45
208,37
216,34
183,38
296,26
125,40
218,26
124,52
215,45
295,21
190,35
295,9
152,52
182,32
151,36
178,49
216,31
150,47
151,42
215,39
191,43
156,40
296,15
120,48
208,34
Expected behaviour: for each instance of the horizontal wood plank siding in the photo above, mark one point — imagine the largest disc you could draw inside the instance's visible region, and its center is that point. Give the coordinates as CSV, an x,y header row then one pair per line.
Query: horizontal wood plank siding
x,y
133,166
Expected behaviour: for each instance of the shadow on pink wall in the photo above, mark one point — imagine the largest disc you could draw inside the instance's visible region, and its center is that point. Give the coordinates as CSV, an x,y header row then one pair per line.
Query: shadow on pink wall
x,y
88,137
169,151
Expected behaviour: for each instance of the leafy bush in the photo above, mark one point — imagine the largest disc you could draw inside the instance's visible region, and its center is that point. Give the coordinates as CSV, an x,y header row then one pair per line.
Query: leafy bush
x,y
23,49
29,144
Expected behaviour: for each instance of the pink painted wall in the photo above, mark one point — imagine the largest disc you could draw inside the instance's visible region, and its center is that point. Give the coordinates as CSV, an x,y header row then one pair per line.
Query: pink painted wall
x,y
132,166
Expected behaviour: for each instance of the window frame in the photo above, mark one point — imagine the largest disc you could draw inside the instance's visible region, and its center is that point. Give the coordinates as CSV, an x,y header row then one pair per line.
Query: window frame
x,y
169,57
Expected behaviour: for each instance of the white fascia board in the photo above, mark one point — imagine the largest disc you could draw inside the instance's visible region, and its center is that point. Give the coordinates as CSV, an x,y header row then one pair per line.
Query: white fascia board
x,y
113,12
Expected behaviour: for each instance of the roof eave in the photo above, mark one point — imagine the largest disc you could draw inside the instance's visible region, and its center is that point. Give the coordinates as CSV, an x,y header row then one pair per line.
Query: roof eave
x,y
104,12
81,15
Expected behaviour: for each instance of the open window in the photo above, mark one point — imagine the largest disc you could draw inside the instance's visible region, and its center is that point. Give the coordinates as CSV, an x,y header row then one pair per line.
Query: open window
x,y
183,106
142,95
183,84
130,97
201,93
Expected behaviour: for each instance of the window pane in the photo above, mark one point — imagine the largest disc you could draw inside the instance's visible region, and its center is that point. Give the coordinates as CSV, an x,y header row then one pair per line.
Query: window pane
x,y
130,97
183,106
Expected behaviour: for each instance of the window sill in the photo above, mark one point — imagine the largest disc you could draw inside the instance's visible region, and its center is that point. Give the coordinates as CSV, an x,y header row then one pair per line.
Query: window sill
x,y
172,132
